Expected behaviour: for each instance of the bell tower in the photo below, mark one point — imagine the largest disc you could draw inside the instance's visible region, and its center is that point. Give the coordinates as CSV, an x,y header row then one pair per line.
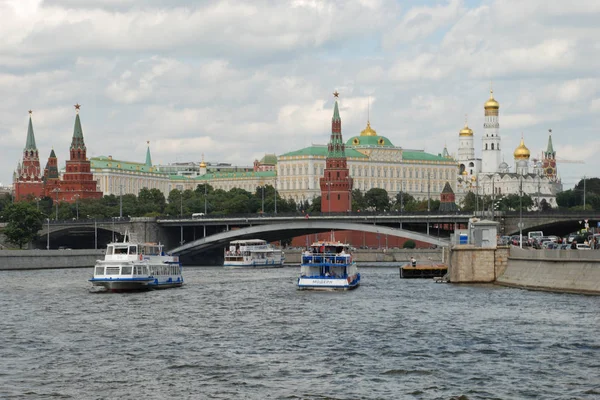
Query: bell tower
x,y
490,146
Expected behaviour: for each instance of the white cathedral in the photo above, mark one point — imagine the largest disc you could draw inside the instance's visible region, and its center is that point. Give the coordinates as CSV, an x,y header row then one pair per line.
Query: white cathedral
x,y
490,176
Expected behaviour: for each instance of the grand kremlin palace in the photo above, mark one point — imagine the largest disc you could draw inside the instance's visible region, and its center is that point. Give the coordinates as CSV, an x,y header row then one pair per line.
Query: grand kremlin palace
x,y
373,161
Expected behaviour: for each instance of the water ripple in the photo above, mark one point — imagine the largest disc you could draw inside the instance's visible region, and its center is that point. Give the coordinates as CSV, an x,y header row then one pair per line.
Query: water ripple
x,y
251,335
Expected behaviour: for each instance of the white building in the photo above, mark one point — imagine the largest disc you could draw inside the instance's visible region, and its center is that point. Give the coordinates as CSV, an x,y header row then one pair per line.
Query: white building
x,y
491,176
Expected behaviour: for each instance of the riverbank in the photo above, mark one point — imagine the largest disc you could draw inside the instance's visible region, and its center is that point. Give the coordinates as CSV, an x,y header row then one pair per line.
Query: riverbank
x,y
48,259
567,271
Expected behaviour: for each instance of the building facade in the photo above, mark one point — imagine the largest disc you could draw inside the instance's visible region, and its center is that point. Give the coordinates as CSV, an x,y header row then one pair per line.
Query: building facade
x,y
492,177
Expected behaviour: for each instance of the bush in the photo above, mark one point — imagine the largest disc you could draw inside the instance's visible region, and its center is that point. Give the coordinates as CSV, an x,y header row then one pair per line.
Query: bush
x,y
409,244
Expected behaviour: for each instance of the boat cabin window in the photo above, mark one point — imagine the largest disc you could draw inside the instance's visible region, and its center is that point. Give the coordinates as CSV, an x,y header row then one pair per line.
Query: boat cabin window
x,y
132,250
117,250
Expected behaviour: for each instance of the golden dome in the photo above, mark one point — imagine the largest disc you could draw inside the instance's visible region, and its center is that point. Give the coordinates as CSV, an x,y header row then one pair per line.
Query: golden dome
x,y
202,164
491,103
466,131
465,172
522,152
368,131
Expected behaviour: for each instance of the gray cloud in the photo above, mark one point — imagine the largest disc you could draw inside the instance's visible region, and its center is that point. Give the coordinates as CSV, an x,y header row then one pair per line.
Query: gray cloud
x,y
234,80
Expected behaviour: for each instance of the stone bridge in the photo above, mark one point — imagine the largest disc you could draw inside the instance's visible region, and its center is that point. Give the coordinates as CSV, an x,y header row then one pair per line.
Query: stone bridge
x,y
273,232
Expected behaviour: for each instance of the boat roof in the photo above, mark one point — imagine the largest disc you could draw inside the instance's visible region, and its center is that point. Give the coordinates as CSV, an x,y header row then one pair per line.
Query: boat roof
x,y
248,241
329,243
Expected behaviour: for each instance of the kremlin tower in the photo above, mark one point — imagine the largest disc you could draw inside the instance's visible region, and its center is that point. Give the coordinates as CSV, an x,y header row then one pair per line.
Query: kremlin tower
x,y
490,148
28,176
336,183
549,160
78,181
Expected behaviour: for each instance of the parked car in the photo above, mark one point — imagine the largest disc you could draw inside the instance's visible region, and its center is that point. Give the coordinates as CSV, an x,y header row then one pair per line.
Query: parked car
x,y
582,246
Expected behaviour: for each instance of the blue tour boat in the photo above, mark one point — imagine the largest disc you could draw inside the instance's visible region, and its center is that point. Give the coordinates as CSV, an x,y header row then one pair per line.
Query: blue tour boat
x,y
328,265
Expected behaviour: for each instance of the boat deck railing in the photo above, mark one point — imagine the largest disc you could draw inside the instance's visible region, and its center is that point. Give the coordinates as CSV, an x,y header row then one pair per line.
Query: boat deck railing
x,y
326,259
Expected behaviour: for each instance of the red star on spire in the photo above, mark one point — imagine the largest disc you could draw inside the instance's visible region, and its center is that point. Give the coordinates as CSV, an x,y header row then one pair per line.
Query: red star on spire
x,y
336,94
77,107
30,112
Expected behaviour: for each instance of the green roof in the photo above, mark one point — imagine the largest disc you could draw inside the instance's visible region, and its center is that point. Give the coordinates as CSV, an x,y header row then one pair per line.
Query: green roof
x,y
336,112
30,144
321,151
77,141
369,141
269,159
148,158
550,150
105,162
418,155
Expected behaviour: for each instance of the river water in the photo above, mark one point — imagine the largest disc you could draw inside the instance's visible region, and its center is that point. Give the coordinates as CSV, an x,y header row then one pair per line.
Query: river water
x,y
239,334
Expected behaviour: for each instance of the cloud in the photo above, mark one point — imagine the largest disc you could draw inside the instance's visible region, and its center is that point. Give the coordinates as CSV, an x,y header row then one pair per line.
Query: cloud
x,y
234,80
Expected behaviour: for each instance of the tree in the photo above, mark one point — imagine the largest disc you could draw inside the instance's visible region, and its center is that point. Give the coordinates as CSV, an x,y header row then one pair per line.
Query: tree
x,y
151,201
24,222
377,199
469,203
404,202
316,205
409,244
358,201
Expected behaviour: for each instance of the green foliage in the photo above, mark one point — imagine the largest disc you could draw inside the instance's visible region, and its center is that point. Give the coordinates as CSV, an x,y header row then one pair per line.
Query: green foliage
x,y
358,201
24,221
469,202
377,200
409,244
316,205
405,202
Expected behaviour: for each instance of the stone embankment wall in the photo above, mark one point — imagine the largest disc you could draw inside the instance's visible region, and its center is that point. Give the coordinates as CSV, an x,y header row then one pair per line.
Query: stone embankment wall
x,y
46,259
470,264
572,271
380,256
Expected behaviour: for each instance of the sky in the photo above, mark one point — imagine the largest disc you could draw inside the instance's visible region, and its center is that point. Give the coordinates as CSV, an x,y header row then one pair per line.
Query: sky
x,y
234,80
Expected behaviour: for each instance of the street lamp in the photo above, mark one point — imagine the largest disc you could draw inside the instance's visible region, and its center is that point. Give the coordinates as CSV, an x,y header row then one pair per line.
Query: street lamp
x,y
262,209
428,192
120,201
76,206
48,235
56,191
328,197
181,203
521,213
275,187
205,201
37,200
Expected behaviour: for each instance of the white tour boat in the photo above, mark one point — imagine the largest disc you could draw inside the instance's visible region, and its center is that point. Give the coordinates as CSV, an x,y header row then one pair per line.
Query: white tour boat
x,y
328,265
137,266
252,253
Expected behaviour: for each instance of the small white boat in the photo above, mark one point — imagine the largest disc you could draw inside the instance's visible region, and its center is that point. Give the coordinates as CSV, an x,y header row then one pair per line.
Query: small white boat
x,y
328,265
131,266
252,253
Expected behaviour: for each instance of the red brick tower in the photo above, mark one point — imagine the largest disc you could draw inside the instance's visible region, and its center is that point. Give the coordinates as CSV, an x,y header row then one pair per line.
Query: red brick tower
x,y
51,177
28,182
336,183
78,181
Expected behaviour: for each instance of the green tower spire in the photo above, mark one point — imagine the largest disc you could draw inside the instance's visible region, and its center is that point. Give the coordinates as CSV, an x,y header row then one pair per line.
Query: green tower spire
x,y
550,153
336,147
148,158
77,141
30,144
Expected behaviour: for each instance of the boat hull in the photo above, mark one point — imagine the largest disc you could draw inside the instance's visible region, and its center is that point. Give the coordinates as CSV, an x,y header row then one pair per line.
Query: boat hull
x,y
254,264
122,285
326,283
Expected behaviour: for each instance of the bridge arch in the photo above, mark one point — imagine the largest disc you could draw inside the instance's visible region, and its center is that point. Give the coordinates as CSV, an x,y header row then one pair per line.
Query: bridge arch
x,y
273,232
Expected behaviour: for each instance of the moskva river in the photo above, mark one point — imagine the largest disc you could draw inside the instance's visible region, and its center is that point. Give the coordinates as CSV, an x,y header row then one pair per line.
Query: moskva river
x,y
240,334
